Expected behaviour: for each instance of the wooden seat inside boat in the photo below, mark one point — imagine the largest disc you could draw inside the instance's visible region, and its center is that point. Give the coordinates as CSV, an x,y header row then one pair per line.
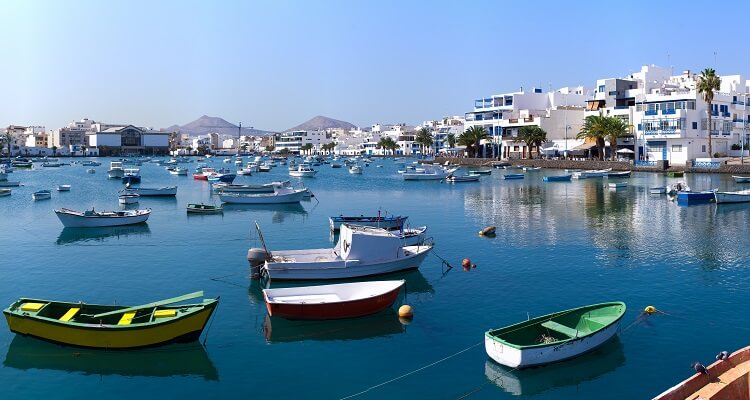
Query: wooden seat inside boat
x,y
70,314
560,328
32,307
127,318
165,313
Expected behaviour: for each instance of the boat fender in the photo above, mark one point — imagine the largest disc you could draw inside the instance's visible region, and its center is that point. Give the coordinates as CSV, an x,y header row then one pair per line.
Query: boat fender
x,y
649,310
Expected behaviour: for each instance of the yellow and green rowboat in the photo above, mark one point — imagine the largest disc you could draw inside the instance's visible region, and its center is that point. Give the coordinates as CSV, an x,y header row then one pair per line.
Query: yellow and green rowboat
x,y
111,326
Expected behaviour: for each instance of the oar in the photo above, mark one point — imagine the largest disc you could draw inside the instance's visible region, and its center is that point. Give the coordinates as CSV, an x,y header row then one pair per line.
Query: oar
x,y
154,304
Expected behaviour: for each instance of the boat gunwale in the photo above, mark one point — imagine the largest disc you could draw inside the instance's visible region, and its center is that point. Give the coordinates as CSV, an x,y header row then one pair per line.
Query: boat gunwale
x,y
370,296
207,304
543,318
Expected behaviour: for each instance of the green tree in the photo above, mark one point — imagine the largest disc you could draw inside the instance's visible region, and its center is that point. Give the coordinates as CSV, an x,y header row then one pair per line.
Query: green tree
x,y
471,138
54,151
532,135
306,147
173,140
387,143
6,140
284,152
83,150
451,139
594,128
202,149
270,148
615,128
708,82
423,139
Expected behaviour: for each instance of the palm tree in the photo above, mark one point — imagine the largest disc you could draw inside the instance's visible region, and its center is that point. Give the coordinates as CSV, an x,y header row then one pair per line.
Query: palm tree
x,y
615,128
423,138
595,128
532,135
472,137
451,139
387,143
54,151
306,147
7,138
708,82
270,148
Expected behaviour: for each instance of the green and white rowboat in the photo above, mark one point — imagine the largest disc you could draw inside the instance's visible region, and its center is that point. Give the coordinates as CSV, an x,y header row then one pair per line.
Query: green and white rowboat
x,y
554,337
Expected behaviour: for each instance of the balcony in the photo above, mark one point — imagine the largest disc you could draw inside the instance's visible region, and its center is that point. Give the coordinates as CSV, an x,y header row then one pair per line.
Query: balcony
x,y
663,131
651,112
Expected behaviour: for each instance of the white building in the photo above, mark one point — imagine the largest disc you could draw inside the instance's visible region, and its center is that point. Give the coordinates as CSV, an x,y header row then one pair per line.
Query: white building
x,y
294,140
559,113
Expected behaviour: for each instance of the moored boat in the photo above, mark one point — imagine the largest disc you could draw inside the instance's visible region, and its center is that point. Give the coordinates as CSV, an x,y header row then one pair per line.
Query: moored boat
x,y
5,192
741,179
685,198
343,300
91,218
557,178
303,171
41,195
658,190
131,175
554,337
355,170
742,196
725,379
462,178
484,171
617,185
384,222
128,198
618,174
592,173
63,188
162,191
248,188
513,176
281,195
110,326
360,251
177,170
200,208
115,170
676,174
427,172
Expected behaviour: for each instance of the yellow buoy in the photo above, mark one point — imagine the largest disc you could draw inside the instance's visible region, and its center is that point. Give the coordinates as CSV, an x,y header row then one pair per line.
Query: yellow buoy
x,y
649,310
404,320
405,311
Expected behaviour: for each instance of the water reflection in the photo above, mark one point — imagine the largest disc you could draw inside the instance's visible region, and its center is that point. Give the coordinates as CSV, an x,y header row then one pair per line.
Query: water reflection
x,y
74,235
184,359
280,211
527,382
384,323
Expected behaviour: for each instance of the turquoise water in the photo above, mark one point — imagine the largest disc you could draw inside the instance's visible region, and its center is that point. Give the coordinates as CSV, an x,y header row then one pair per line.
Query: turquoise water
x,y
558,245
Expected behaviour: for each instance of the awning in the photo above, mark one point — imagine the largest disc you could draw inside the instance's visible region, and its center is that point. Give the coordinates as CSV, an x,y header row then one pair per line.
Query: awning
x,y
585,146
625,151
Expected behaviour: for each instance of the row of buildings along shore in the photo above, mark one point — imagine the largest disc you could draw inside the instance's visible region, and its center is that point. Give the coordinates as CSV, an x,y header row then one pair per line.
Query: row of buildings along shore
x,y
666,115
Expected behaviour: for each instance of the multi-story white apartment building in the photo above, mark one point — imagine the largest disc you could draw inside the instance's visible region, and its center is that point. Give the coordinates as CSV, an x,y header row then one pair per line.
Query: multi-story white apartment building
x,y
559,113
294,140
440,130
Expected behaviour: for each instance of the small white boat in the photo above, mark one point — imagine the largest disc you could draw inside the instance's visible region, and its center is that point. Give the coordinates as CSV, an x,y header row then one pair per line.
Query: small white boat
x,y
5,192
131,175
265,167
10,183
91,218
63,188
427,172
360,252
617,185
162,191
592,173
91,171
115,170
91,163
355,170
303,171
322,302
742,196
177,170
282,195
677,187
245,171
128,198
41,195
741,179
531,168
248,188
657,190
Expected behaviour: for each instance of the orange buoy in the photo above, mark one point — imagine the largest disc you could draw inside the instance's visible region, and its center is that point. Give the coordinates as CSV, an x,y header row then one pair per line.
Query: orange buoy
x,y
405,311
466,263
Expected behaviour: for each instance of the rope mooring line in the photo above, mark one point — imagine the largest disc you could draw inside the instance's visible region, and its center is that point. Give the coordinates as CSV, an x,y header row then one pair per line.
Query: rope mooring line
x,y
411,372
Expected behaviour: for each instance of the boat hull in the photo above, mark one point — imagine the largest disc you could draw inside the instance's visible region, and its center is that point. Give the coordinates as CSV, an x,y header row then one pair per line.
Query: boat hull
x,y
98,336
262,198
557,178
302,174
131,179
695,197
345,269
115,173
513,176
337,310
732,197
74,221
165,191
741,179
408,176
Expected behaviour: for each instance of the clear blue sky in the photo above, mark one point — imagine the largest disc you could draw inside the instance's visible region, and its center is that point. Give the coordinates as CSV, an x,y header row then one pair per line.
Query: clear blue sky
x,y
274,64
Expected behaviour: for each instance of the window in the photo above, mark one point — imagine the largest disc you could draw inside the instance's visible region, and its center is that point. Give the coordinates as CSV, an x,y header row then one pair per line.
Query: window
x,y
695,125
676,148
703,148
601,89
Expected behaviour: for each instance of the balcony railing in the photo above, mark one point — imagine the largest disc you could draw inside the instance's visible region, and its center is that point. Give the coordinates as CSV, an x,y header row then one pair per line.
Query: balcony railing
x,y
665,131
643,163
651,112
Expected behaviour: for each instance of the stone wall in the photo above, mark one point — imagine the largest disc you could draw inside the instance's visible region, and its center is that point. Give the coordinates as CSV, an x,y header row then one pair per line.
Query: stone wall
x,y
557,164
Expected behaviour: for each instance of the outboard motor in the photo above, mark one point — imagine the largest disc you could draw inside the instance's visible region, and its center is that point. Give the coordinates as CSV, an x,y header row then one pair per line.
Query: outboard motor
x,y
257,257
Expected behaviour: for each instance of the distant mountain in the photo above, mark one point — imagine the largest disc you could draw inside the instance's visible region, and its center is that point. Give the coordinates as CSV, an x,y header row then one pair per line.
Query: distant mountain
x,y
206,124
320,123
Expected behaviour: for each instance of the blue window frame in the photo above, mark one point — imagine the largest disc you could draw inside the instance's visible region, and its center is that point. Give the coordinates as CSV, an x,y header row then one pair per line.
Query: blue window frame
x,y
695,125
